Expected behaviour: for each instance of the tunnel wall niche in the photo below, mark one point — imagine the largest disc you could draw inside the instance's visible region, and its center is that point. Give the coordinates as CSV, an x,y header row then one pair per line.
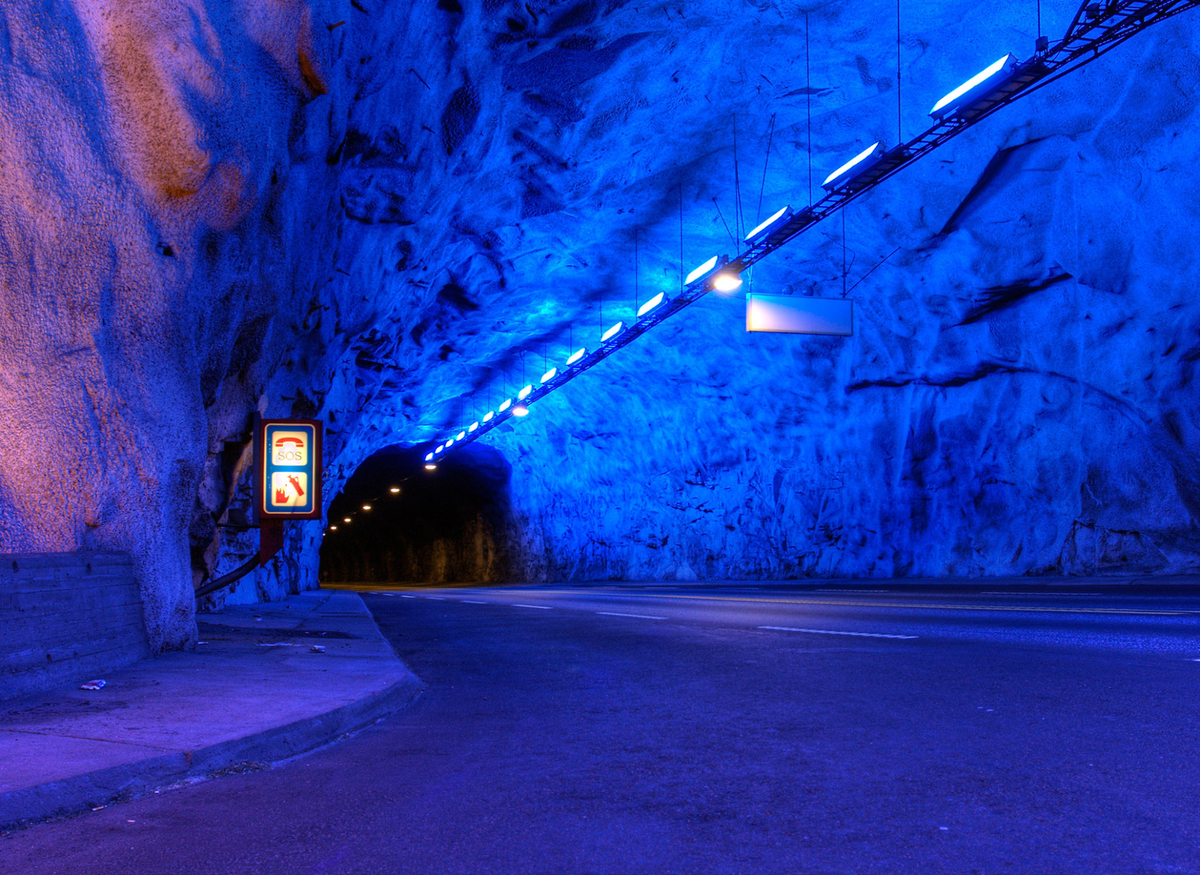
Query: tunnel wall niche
x,y
452,525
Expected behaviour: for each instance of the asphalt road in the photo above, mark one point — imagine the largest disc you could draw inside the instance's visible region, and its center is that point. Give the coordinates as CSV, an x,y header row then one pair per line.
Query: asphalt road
x,y
735,730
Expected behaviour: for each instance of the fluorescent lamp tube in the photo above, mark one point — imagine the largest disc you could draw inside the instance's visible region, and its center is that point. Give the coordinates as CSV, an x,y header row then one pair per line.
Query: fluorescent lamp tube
x,y
549,375
576,356
613,332
861,162
650,305
975,88
769,225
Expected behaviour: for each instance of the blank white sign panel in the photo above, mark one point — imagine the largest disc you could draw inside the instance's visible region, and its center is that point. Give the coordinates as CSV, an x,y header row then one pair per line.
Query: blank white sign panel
x,y
787,314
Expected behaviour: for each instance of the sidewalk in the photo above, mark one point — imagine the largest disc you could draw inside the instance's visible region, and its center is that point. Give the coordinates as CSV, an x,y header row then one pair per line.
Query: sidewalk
x,y
254,692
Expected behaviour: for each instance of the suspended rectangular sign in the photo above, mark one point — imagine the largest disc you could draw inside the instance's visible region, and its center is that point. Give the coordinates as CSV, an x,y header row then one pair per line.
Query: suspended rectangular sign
x,y
287,464
795,314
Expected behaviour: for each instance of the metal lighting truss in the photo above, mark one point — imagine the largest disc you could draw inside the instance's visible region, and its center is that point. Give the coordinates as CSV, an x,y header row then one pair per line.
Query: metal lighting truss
x,y
1097,28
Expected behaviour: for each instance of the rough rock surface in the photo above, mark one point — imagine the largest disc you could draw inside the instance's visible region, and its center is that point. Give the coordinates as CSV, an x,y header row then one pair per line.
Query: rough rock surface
x,y
382,213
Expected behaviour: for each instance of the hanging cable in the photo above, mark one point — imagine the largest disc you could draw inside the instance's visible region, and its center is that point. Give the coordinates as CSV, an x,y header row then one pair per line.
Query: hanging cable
x,y
808,101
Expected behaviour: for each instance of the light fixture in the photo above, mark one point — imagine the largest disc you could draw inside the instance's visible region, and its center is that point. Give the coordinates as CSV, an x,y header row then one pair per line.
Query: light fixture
x,y
705,269
431,467
520,410
429,457
346,519
650,305
450,443
860,163
461,435
507,404
440,448
769,225
576,356
524,393
613,332
975,88
394,490
726,281
333,528
489,416
366,507
549,375
474,427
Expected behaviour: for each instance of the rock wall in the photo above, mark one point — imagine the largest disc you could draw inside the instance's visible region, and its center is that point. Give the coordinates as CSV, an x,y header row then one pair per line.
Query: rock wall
x,y
383,214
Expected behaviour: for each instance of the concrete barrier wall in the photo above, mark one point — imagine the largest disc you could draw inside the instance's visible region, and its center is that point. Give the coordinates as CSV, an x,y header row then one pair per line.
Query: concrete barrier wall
x,y
66,617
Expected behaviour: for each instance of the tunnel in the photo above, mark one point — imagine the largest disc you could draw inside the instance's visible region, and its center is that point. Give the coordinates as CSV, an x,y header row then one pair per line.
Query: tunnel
x,y
396,522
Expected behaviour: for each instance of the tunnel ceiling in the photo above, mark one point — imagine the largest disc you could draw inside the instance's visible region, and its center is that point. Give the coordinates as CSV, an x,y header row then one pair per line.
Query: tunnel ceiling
x,y
390,215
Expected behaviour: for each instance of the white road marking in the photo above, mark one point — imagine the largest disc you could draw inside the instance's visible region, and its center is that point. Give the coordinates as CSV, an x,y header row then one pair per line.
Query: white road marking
x,y
638,616
1041,594
871,591
471,602
436,598
834,632
539,607
408,596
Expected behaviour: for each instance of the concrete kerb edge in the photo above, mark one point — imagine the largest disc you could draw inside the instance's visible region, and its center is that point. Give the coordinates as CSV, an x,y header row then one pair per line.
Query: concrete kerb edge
x,y
80,793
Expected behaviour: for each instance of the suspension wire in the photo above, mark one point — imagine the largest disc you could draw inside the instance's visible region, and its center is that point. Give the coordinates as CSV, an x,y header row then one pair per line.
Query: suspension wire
x,y
762,188
1039,17
899,105
737,184
680,187
635,270
808,100
843,212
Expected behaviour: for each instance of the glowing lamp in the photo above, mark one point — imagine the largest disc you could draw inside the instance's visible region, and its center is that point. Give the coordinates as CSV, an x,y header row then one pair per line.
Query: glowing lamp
x,y
769,225
855,167
429,457
524,393
520,410
613,332
549,375
726,281
396,489
333,528
366,507
431,467
346,519
976,88
507,404
576,356
489,416
460,436
650,305
474,427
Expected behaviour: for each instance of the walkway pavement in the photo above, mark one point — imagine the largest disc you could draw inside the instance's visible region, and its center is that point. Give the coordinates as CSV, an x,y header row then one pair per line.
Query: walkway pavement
x,y
258,689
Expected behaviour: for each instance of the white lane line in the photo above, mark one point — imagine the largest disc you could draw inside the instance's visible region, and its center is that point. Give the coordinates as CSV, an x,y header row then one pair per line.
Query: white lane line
x,y
539,607
471,602
833,632
436,598
1040,594
638,616
871,591
403,596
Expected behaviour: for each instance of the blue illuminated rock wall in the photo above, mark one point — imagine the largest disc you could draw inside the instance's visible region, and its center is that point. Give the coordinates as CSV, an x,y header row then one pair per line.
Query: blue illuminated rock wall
x,y
384,213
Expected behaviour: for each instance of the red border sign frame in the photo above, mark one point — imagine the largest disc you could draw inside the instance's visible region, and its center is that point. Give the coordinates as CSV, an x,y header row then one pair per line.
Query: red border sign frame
x,y
260,461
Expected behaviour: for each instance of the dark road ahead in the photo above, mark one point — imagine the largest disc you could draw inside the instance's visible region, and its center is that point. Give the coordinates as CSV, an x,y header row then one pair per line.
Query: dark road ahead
x,y
739,730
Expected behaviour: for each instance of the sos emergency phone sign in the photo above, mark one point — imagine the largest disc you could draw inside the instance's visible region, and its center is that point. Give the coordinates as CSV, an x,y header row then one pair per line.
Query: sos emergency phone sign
x,y
287,482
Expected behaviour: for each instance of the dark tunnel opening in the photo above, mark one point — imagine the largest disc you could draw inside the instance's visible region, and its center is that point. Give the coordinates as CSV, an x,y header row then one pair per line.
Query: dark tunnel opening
x,y
450,525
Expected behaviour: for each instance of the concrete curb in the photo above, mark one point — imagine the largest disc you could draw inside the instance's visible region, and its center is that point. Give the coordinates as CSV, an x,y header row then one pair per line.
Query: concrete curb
x,y
84,792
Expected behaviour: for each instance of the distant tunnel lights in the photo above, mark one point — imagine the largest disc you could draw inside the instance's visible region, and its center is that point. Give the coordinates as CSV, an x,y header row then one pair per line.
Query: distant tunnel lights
x,y
394,490
975,88
860,163
613,332
769,225
576,356
549,375
431,467
650,305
